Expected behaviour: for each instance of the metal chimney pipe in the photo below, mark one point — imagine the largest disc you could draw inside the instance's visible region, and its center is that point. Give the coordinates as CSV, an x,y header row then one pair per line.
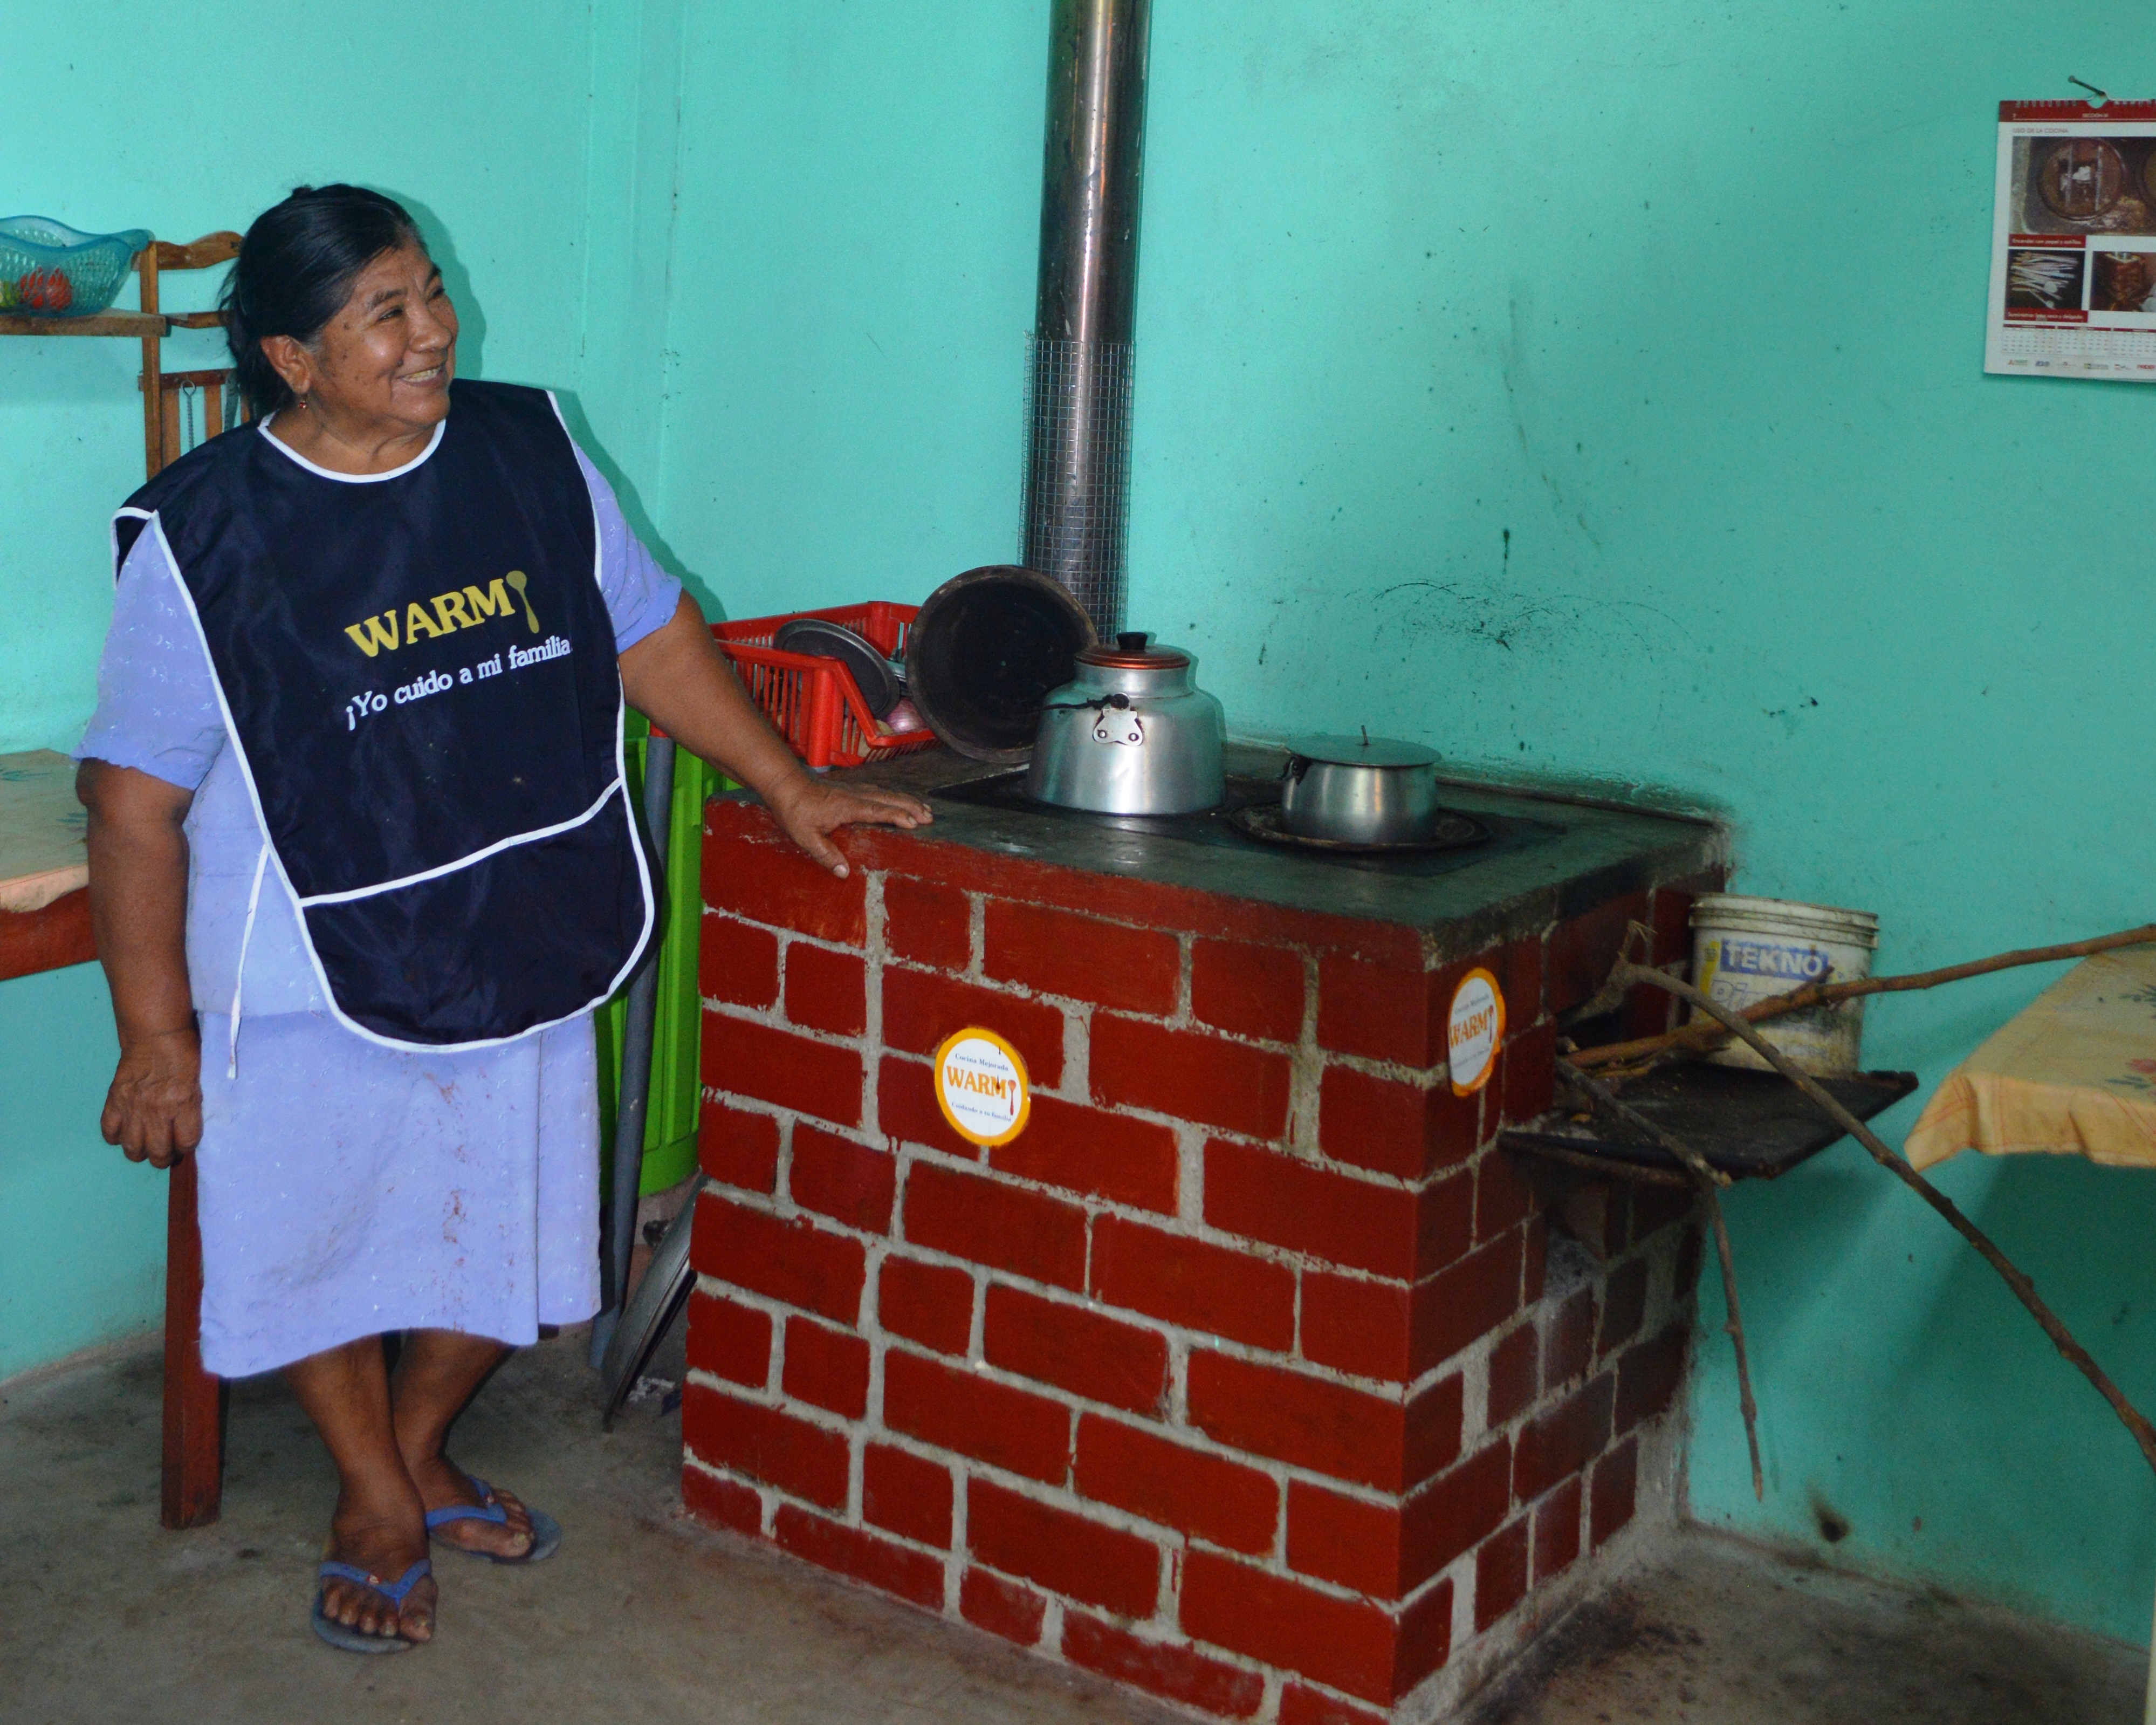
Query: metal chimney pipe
x,y
1078,394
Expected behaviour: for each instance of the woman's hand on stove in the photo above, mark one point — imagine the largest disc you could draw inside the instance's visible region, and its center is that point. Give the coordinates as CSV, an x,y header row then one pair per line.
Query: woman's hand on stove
x,y
153,1111
808,810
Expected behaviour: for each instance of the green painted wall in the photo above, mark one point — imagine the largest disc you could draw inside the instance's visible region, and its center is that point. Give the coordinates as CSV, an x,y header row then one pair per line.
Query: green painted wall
x,y
483,122
1590,388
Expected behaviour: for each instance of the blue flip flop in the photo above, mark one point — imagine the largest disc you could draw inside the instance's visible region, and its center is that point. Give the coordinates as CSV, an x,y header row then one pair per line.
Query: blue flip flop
x,y
546,1531
353,1641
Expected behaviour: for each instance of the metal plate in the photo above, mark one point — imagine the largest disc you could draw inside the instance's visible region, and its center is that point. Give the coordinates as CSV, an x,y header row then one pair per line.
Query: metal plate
x,y
1751,1125
870,671
1451,832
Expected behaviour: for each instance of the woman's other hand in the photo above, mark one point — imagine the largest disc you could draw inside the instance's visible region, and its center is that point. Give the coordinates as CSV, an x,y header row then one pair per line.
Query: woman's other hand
x,y
808,810
153,1111
138,911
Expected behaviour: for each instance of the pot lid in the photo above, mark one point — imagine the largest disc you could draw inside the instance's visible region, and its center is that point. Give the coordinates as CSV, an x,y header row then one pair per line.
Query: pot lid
x,y
1362,750
1133,651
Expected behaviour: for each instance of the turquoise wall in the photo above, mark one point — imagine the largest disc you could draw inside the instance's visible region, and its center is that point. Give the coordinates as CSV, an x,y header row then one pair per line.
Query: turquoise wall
x,y
483,120
1591,387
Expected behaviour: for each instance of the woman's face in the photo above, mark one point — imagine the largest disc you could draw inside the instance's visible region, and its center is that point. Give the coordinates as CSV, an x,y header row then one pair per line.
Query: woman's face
x,y
385,361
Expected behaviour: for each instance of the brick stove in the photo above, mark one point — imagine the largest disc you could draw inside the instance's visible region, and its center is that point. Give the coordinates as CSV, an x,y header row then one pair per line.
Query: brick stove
x,y
1249,1374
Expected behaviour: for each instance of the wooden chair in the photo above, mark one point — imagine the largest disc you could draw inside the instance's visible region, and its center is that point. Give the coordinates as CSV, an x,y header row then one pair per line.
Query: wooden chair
x,y
193,1469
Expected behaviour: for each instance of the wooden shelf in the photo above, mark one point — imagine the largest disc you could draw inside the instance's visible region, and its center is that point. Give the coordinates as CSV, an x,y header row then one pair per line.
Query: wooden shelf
x,y
104,323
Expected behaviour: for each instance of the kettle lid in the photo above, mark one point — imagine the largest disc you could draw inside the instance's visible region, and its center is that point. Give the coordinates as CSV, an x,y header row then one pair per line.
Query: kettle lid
x,y
1133,651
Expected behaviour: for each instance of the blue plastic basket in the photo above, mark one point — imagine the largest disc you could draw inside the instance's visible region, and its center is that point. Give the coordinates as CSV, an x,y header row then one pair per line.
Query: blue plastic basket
x,y
50,269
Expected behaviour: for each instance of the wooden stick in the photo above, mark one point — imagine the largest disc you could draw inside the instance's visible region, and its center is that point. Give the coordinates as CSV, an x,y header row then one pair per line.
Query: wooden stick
x,y
2024,1291
1710,1179
1704,1036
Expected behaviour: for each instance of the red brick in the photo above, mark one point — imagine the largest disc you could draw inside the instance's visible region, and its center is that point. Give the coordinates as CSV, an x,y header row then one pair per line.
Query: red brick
x,y
794,1261
1067,1553
1650,1373
1387,1550
1685,1277
1082,957
907,1110
802,1459
1464,1302
1500,1574
1391,1128
1526,1076
1534,1258
1562,1441
753,1060
1111,1155
1326,1427
826,990
1611,1499
1519,972
906,1493
1002,1608
1301,1705
1162,1668
1504,1198
921,1009
987,1221
865,1556
1348,1644
837,1177
1075,1350
1557,1531
1624,1306
828,1366
926,923
1356,1326
928,1303
721,1503
1190,1075
1380,1012
1425,1636
737,1148
1202,1494
729,1341
736,962
1654,1208
1568,1339
750,870
1193,1283
1252,991
1515,1369
1323,1212
958,1409
1582,951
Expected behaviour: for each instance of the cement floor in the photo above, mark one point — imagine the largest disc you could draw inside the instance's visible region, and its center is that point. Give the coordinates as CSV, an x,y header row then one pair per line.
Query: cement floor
x,y
643,1617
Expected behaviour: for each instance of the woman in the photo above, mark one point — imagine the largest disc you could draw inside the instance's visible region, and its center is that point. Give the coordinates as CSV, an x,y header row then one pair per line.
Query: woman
x,y
357,810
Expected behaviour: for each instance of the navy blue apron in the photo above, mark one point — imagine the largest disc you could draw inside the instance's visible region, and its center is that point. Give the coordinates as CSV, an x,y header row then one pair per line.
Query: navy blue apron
x,y
418,671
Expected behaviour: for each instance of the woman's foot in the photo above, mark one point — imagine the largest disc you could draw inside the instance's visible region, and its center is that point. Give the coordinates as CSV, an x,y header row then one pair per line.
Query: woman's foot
x,y
384,1541
442,1485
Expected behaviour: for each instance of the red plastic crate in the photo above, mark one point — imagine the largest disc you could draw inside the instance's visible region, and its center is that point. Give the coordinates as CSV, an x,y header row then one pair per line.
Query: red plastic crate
x,y
813,702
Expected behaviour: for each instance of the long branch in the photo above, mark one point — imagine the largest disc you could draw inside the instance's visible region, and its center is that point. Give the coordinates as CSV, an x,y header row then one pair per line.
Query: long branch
x,y
1711,1180
1704,1036
2024,1290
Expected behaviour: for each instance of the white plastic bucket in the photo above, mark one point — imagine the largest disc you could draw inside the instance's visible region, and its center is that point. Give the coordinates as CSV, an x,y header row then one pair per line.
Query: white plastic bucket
x,y
1747,950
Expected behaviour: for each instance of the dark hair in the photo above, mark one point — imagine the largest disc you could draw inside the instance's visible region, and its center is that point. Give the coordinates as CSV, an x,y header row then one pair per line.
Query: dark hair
x,y
294,272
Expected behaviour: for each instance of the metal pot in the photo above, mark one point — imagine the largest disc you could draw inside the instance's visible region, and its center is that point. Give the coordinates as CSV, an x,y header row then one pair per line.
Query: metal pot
x,y
1132,734
1359,790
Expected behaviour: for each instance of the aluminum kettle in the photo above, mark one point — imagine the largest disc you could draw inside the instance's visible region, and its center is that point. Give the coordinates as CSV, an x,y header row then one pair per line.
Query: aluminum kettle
x,y
1132,734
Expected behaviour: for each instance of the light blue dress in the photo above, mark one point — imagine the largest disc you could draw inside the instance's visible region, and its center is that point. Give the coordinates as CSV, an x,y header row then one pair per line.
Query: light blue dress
x,y
345,1188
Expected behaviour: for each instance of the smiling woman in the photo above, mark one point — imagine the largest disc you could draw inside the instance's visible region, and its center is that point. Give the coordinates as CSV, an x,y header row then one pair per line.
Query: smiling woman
x,y
418,868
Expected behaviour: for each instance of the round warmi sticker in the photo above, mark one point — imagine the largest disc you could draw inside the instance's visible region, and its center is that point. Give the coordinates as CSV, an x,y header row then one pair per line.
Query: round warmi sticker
x,y
981,1087
1475,1030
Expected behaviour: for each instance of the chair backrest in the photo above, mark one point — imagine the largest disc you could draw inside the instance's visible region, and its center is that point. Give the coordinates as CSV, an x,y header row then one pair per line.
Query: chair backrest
x,y
166,432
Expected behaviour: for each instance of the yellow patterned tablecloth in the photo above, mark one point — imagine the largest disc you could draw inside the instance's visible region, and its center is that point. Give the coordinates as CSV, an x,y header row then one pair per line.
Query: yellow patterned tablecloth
x,y
2072,1073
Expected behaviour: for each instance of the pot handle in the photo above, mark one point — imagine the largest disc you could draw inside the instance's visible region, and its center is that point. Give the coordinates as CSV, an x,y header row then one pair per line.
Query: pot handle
x,y
1296,765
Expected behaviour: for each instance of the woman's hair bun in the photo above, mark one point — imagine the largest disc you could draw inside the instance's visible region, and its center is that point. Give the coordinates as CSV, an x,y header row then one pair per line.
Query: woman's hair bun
x,y
294,272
